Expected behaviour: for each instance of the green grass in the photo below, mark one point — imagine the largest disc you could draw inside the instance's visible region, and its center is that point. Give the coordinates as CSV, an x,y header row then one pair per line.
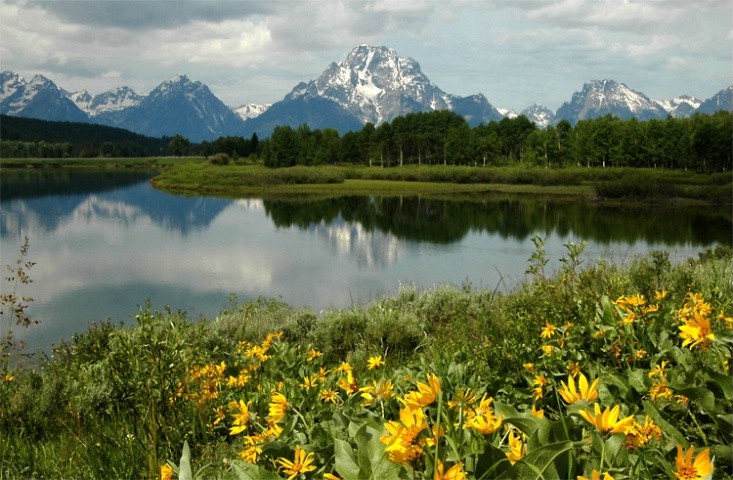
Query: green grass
x,y
620,184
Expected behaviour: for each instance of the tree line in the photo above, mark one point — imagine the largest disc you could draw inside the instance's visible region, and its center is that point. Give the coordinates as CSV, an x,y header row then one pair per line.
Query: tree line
x,y
701,143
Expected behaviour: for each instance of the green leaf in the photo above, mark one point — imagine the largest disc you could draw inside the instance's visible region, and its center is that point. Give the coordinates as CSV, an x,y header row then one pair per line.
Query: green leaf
x,y
637,381
250,471
184,466
346,463
541,463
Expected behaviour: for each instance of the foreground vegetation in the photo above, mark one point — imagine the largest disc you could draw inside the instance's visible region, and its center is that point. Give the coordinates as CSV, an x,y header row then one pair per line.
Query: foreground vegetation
x,y
597,369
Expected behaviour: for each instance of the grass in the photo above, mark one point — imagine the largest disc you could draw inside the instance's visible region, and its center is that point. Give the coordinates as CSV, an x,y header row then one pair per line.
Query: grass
x,y
114,402
599,184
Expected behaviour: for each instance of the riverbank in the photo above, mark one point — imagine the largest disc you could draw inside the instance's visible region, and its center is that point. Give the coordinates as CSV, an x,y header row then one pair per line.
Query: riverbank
x,y
496,374
612,184
197,176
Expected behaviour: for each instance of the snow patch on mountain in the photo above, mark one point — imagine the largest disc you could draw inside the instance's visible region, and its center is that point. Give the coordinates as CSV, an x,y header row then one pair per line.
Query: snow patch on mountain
x,y
251,110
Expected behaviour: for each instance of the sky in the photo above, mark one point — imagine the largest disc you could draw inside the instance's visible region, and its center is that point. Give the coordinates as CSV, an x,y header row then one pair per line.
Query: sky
x,y
515,52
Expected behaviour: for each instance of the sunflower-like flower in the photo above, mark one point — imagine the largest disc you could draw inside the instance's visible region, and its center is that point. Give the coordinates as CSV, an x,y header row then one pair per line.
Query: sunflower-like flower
x,y
608,421
377,392
689,469
241,419
313,354
482,419
454,473
596,475
426,393
328,396
696,331
347,383
278,407
548,331
374,362
640,435
587,393
517,448
403,445
302,463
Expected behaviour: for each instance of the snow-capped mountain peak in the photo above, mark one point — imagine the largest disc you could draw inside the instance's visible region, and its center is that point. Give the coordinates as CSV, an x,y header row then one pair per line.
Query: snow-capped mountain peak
x,y
539,114
602,97
375,84
250,110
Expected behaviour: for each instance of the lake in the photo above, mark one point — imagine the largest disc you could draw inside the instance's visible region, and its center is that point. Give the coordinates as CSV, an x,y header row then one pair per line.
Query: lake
x,y
105,242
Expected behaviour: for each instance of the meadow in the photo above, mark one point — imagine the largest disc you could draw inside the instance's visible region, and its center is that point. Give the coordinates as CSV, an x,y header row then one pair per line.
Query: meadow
x,y
595,370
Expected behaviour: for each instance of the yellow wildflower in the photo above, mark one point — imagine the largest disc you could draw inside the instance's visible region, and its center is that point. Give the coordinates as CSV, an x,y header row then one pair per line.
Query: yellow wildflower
x,y
302,463
548,331
529,367
596,475
402,441
278,407
462,399
687,469
696,331
454,473
348,384
377,392
482,419
375,362
328,395
252,449
640,435
574,369
660,295
166,472
548,349
658,370
426,393
608,421
241,419
537,413
640,354
517,448
310,381
313,354
330,476
570,394
344,367
660,389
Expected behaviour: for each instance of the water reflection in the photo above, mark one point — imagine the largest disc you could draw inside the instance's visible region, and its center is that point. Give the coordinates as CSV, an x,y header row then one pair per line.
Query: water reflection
x,y
105,243
518,217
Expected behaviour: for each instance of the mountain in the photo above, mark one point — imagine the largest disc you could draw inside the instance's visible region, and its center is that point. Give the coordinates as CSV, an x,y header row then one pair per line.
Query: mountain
x,y
475,109
177,106
251,110
680,107
373,84
39,98
602,97
110,101
723,100
539,114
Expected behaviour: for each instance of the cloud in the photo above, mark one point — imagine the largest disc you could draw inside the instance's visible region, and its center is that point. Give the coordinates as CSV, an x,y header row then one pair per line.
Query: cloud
x,y
140,15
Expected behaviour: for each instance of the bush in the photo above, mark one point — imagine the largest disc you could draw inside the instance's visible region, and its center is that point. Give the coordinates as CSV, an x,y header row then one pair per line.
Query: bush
x,y
219,159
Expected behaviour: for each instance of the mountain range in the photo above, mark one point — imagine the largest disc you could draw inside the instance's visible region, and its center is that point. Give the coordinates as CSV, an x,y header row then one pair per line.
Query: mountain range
x,y
373,84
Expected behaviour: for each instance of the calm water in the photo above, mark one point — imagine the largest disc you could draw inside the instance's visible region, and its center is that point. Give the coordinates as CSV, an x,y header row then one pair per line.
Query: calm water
x,y
104,243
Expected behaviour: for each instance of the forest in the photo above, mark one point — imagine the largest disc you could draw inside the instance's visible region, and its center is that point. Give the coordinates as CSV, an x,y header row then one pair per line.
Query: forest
x,y
701,143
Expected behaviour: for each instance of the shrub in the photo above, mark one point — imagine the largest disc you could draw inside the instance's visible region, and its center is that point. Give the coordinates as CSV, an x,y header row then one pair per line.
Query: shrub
x,y
219,159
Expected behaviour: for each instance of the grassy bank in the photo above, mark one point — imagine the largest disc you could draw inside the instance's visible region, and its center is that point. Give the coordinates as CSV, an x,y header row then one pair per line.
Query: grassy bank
x,y
248,390
602,184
